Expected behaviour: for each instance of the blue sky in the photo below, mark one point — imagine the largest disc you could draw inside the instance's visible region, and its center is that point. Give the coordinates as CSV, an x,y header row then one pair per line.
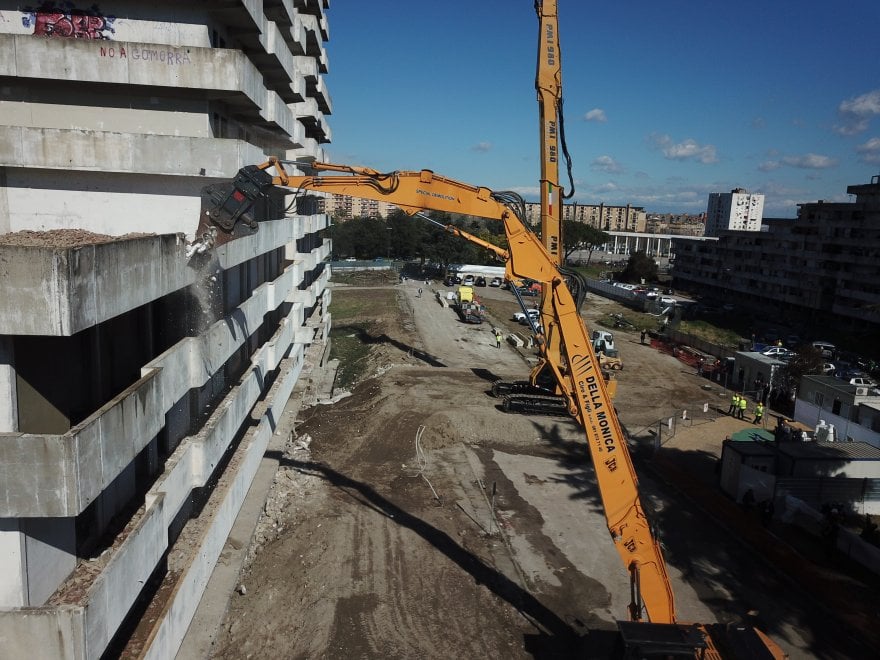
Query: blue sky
x,y
664,102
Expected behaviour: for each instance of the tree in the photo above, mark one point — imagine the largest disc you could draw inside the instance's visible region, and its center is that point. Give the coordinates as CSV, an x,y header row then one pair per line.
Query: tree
x,y
406,235
581,236
807,361
639,267
363,238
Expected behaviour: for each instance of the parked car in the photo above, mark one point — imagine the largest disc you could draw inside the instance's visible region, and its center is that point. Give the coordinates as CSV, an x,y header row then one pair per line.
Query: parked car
x,y
862,381
523,291
496,281
520,317
666,301
481,281
468,280
779,352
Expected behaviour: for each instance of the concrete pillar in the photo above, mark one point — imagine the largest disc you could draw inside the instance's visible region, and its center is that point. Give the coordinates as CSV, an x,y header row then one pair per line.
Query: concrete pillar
x,y
8,390
5,215
13,577
37,554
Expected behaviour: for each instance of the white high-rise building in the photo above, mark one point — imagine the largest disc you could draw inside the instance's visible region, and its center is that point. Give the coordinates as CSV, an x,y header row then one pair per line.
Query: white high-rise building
x,y
738,210
140,386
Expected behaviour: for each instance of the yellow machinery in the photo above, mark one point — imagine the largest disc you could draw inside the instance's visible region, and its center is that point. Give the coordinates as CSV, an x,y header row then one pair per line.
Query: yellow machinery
x,y
575,368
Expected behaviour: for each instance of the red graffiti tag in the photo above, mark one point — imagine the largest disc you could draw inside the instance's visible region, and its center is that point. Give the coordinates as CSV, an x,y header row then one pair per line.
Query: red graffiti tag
x,y
76,26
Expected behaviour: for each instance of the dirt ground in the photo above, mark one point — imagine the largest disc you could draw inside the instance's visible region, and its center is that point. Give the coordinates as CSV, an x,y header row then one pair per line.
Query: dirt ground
x,y
414,518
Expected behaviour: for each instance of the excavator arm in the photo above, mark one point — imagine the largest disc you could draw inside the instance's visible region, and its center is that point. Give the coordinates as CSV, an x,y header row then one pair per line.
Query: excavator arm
x,y
548,85
575,367
577,372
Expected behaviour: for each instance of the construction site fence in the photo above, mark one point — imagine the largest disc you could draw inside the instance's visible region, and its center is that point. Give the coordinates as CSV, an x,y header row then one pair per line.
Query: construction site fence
x,y
676,337
663,429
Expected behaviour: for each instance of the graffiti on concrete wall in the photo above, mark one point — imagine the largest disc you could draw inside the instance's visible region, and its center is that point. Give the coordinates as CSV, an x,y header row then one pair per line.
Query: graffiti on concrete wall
x,y
65,20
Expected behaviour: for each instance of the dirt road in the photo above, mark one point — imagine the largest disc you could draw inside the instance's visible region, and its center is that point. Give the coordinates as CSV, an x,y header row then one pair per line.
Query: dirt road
x,y
415,519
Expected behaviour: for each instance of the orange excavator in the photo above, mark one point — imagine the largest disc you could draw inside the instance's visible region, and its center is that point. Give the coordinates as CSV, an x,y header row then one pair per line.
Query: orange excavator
x,y
541,392
229,210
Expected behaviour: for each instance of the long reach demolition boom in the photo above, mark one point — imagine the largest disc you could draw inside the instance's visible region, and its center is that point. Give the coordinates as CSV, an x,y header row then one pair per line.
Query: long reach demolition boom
x,y
228,211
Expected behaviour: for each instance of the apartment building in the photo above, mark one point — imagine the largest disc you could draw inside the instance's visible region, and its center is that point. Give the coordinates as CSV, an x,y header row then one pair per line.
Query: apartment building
x,y
140,384
738,210
819,268
344,207
607,218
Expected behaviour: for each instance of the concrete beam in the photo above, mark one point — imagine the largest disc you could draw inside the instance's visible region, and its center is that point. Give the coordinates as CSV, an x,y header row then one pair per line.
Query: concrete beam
x,y
135,153
59,475
214,71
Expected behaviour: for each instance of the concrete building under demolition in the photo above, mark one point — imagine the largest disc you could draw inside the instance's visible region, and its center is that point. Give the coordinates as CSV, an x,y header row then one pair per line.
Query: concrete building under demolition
x,y
139,386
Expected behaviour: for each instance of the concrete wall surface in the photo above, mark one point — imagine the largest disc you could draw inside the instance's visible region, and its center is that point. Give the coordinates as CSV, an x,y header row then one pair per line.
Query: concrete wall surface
x,y
43,633
129,153
99,605
208,540
65,473
63,291
59,292
133,63
113,118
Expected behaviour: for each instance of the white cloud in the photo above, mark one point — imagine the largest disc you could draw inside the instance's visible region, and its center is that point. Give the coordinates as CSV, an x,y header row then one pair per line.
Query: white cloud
x,y
596,114
810,161
769,165
482,147
688,149
606,164
870,151
607,187
856,113
803,162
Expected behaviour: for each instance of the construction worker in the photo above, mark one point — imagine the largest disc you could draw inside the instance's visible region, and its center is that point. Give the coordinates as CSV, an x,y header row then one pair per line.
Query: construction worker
x,y
734,404
498,338
743,404
759,413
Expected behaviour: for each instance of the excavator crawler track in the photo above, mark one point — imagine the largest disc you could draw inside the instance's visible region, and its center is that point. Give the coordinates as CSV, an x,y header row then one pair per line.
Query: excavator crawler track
x,y
531,404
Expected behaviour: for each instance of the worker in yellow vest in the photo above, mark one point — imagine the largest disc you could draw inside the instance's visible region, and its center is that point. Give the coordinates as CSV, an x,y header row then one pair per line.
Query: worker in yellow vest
x,y
759,413
743,404
734,404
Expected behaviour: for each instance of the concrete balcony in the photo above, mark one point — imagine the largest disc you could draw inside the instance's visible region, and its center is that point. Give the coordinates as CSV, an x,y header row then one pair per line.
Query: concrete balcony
x,y
322,96
215,73
280,11
245,15
57,292
66,472
315,35
311,118
131,153
314,7
80,619
311,149
294,35
272,56
61,292
276,115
